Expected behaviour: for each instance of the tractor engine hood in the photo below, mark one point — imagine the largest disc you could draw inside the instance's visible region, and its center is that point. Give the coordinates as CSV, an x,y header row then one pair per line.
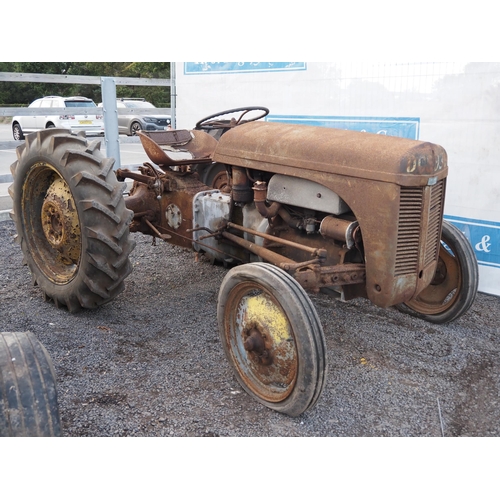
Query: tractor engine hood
x,y
295,149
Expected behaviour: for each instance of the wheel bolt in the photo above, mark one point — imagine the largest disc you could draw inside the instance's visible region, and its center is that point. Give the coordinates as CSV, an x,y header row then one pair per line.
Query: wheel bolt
x,y
250,344
266,358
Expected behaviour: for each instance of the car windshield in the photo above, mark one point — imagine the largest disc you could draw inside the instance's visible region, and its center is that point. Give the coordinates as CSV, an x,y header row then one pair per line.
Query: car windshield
x,y
138,104
79,104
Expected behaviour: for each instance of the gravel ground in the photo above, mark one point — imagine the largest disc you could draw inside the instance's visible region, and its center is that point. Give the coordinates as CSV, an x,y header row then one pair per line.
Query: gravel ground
x,y
151,364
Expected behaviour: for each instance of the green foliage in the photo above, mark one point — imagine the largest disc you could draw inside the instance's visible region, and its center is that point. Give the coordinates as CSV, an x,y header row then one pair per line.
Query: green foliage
x,y
26,92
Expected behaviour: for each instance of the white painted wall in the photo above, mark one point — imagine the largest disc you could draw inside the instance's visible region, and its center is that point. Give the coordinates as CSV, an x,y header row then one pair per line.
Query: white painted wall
x,y
456,105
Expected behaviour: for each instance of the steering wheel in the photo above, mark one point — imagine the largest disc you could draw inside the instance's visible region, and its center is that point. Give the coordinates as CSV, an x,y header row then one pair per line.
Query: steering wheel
x,y
210,123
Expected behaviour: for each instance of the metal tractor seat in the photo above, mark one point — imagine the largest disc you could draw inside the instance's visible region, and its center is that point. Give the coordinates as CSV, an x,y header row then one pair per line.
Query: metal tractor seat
x,y
178,147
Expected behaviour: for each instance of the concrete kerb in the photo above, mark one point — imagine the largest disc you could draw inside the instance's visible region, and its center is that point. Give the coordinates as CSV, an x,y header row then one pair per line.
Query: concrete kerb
x,y
4,215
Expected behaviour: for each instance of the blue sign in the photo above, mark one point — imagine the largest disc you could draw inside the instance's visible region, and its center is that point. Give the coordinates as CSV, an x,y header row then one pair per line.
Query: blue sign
x,y
396,127
484,236
203,68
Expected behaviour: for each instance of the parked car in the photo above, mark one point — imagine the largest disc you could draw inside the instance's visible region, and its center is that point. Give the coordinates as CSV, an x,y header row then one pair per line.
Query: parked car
x,y
130,124
91,122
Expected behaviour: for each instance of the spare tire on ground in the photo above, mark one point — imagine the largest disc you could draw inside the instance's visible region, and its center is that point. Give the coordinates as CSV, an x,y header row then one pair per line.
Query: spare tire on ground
x,y
28,395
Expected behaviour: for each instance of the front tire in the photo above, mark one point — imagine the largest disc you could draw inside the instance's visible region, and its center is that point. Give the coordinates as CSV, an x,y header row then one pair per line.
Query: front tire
x,y
71,219
135,127
272,337
455,283
28,395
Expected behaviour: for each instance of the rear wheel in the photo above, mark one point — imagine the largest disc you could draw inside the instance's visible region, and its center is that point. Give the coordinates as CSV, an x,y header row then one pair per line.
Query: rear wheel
x,y
215,176
272,337
454,287
71,219
28,396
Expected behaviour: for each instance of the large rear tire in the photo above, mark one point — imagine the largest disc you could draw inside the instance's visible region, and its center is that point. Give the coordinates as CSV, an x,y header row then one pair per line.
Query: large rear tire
x,y
455,283
214,176
28,395
272,337
71,219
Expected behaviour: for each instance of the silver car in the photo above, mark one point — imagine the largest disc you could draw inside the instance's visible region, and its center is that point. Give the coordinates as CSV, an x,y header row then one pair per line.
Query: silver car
x,y
130,124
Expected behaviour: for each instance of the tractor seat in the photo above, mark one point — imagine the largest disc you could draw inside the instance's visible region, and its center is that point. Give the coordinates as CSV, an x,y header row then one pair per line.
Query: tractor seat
x,y
178,147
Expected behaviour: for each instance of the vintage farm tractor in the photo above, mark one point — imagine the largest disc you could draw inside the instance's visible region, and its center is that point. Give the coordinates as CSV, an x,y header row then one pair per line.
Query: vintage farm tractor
x,y
289,208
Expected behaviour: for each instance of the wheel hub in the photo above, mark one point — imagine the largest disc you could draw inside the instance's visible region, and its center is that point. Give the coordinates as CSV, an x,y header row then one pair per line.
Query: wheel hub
x,y
59,220
255,342
265,350
440,274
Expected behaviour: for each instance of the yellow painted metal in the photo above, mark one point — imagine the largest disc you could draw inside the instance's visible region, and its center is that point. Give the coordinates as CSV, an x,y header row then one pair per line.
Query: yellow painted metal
x,y
272,373
266,315
60,221
53,230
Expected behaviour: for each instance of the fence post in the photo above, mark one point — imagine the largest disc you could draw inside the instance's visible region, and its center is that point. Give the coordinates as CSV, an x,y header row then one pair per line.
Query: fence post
x,y
111,137
173,96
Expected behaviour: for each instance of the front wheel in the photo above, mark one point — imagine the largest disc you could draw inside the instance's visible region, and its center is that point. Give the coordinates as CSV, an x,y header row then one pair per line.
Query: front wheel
x,y
454,287
17,132
272,337
71,219
135,127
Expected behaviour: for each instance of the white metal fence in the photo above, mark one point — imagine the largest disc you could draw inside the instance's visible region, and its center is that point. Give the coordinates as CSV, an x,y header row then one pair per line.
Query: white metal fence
x,y
109,109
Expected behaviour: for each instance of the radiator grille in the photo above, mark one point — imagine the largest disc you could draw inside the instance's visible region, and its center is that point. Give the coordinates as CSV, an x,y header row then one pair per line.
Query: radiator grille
x,y
434,224
411,211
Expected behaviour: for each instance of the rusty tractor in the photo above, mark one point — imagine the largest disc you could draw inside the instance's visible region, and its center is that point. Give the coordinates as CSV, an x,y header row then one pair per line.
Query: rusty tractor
x,y
289,209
